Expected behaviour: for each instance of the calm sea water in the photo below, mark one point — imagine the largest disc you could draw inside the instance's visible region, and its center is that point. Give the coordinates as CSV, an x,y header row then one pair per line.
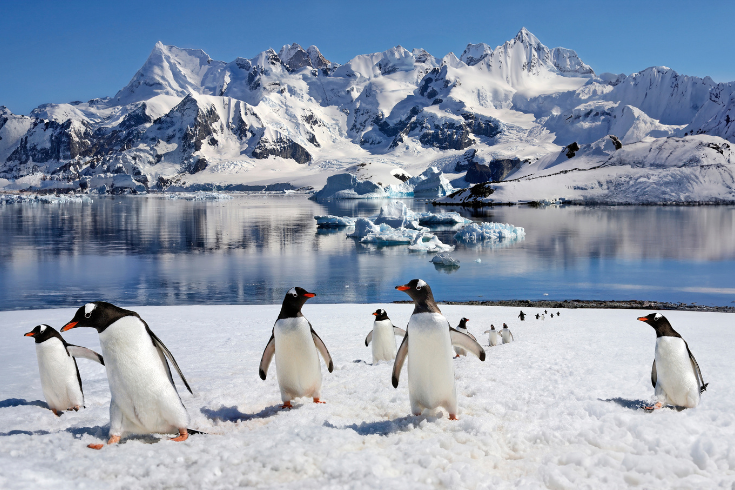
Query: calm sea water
x,y
149,250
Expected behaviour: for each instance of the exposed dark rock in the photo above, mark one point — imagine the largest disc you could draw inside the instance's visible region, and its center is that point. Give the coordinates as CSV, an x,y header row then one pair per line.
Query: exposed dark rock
x,y
282,147
465,161
495,171
199,165
482,126
135,118
572,149
618,144
449,136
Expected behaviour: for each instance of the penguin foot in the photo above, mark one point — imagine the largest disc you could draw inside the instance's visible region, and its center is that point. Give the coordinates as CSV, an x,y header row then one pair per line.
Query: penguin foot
x,y
111,440
317,400
657,406
76,409
95,446
453,417
286,405
456,356
56,412
183,435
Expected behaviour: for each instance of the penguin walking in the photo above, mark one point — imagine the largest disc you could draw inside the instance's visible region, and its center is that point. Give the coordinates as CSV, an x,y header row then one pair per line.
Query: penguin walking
x,y
507,334
493,337
537,316
383,337
428,346
57,365
675,374
462,327
144,397
296,347
543,316
522,316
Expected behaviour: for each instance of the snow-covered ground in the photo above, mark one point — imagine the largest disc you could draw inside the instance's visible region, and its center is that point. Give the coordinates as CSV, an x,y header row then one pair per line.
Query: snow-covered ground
x,y
554,409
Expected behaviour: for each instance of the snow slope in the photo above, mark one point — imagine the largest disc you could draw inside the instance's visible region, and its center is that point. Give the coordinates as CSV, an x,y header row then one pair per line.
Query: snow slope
x,y
557,408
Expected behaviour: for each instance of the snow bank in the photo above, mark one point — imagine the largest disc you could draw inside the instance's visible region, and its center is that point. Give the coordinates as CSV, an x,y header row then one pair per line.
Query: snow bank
x,y
489,232
557,408
330,221
348,186
43,199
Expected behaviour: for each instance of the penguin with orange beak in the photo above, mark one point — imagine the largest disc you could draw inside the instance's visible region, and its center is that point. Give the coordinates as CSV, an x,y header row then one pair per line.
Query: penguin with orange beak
x,y
383,337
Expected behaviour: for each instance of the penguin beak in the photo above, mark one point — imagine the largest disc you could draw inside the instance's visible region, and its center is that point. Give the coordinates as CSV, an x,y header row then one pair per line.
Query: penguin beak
x,y
375,314
30,334
309,295
403,288
643,319
69,326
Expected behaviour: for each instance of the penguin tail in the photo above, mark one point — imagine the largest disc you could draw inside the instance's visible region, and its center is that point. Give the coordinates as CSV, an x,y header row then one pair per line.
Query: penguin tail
x,y
703,388
194,431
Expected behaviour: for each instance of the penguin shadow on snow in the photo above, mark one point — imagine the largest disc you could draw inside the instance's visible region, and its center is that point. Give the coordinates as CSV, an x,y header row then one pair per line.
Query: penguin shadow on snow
x,y
386,427
96,431
232,414
19,402
636,404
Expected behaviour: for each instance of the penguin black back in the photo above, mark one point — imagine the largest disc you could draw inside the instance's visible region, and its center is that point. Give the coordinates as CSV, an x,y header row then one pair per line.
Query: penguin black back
x,y
98,315
292,303
421,294
660,324
380,315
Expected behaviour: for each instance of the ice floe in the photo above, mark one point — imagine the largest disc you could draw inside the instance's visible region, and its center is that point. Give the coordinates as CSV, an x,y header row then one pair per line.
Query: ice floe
x,y
445,259
489,232
199,196
330,221
43,199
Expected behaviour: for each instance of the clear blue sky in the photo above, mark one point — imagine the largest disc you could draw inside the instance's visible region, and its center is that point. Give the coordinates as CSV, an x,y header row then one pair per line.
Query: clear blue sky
x,y
65,51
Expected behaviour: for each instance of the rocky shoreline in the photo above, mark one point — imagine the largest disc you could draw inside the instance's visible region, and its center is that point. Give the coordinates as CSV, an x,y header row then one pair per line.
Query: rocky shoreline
x,y
600,304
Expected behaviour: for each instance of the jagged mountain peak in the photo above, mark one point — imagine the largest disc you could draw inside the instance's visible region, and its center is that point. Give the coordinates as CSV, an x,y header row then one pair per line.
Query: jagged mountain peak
x,y
526,37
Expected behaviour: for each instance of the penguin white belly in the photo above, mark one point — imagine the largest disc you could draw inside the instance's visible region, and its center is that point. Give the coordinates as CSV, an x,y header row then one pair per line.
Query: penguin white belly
x,y
506,336
676,383
494,338
58,376
144,399
297,360
460,351
384,341
430,368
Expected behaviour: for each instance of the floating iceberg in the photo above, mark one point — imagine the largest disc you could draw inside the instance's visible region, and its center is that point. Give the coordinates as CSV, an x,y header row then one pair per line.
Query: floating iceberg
x,y
199,196
392,236
397,215
330,221
364,227
426,242
489,232
430,183
445,259
429,219
43,199
348,186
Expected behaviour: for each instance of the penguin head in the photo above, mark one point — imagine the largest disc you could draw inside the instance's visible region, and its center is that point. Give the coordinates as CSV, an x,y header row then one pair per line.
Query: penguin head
x,y
660,324
294,300
505,326
42,333
463,323
98,315
418,290
380,315
492,327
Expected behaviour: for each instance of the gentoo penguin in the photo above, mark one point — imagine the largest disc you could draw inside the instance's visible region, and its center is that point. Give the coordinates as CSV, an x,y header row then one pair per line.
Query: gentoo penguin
x,y
675,374
543,316
144,397
428,346
383,337
552,315
60,380
506,334
537,316
494,337
462,327
296,347
522,316
557,313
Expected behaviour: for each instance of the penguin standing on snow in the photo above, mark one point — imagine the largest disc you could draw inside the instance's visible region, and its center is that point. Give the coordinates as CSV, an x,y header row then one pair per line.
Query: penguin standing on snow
x,y
428,346
57,364
296,347
383,337
144,397
494,337
537,316
462,327
675,374
506,334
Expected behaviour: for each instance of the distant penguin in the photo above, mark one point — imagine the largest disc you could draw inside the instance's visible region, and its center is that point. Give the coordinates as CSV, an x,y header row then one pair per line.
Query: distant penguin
x,y
675,374
296,347
522,316
543,316
60,379
144,397
428,346
545,312
552,315
557,313
537,316
493,337
506,334
462,327
383,337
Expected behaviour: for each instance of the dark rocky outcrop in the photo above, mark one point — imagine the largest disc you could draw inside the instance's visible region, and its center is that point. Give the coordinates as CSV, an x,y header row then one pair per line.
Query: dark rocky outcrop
x,y
495,171
571,149
618,144
283,147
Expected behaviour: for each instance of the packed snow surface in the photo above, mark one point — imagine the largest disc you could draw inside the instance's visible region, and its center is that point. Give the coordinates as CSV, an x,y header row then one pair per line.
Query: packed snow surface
x,y
557,408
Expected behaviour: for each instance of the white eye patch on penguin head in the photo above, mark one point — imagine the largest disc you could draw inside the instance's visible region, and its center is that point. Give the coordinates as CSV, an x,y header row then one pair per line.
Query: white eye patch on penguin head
x,y
293,292
420,284
42,328
88,309
657,316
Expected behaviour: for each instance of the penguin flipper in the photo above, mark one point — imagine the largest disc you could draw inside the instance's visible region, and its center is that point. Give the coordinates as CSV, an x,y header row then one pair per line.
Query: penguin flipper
x,y
654,376
265,361
79,351
164,350
322,350
466,342
697,371
369,338
472,336
400,359
399,331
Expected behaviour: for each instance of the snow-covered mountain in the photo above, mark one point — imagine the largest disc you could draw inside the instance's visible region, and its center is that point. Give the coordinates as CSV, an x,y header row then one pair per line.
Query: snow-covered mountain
x,y
294,117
